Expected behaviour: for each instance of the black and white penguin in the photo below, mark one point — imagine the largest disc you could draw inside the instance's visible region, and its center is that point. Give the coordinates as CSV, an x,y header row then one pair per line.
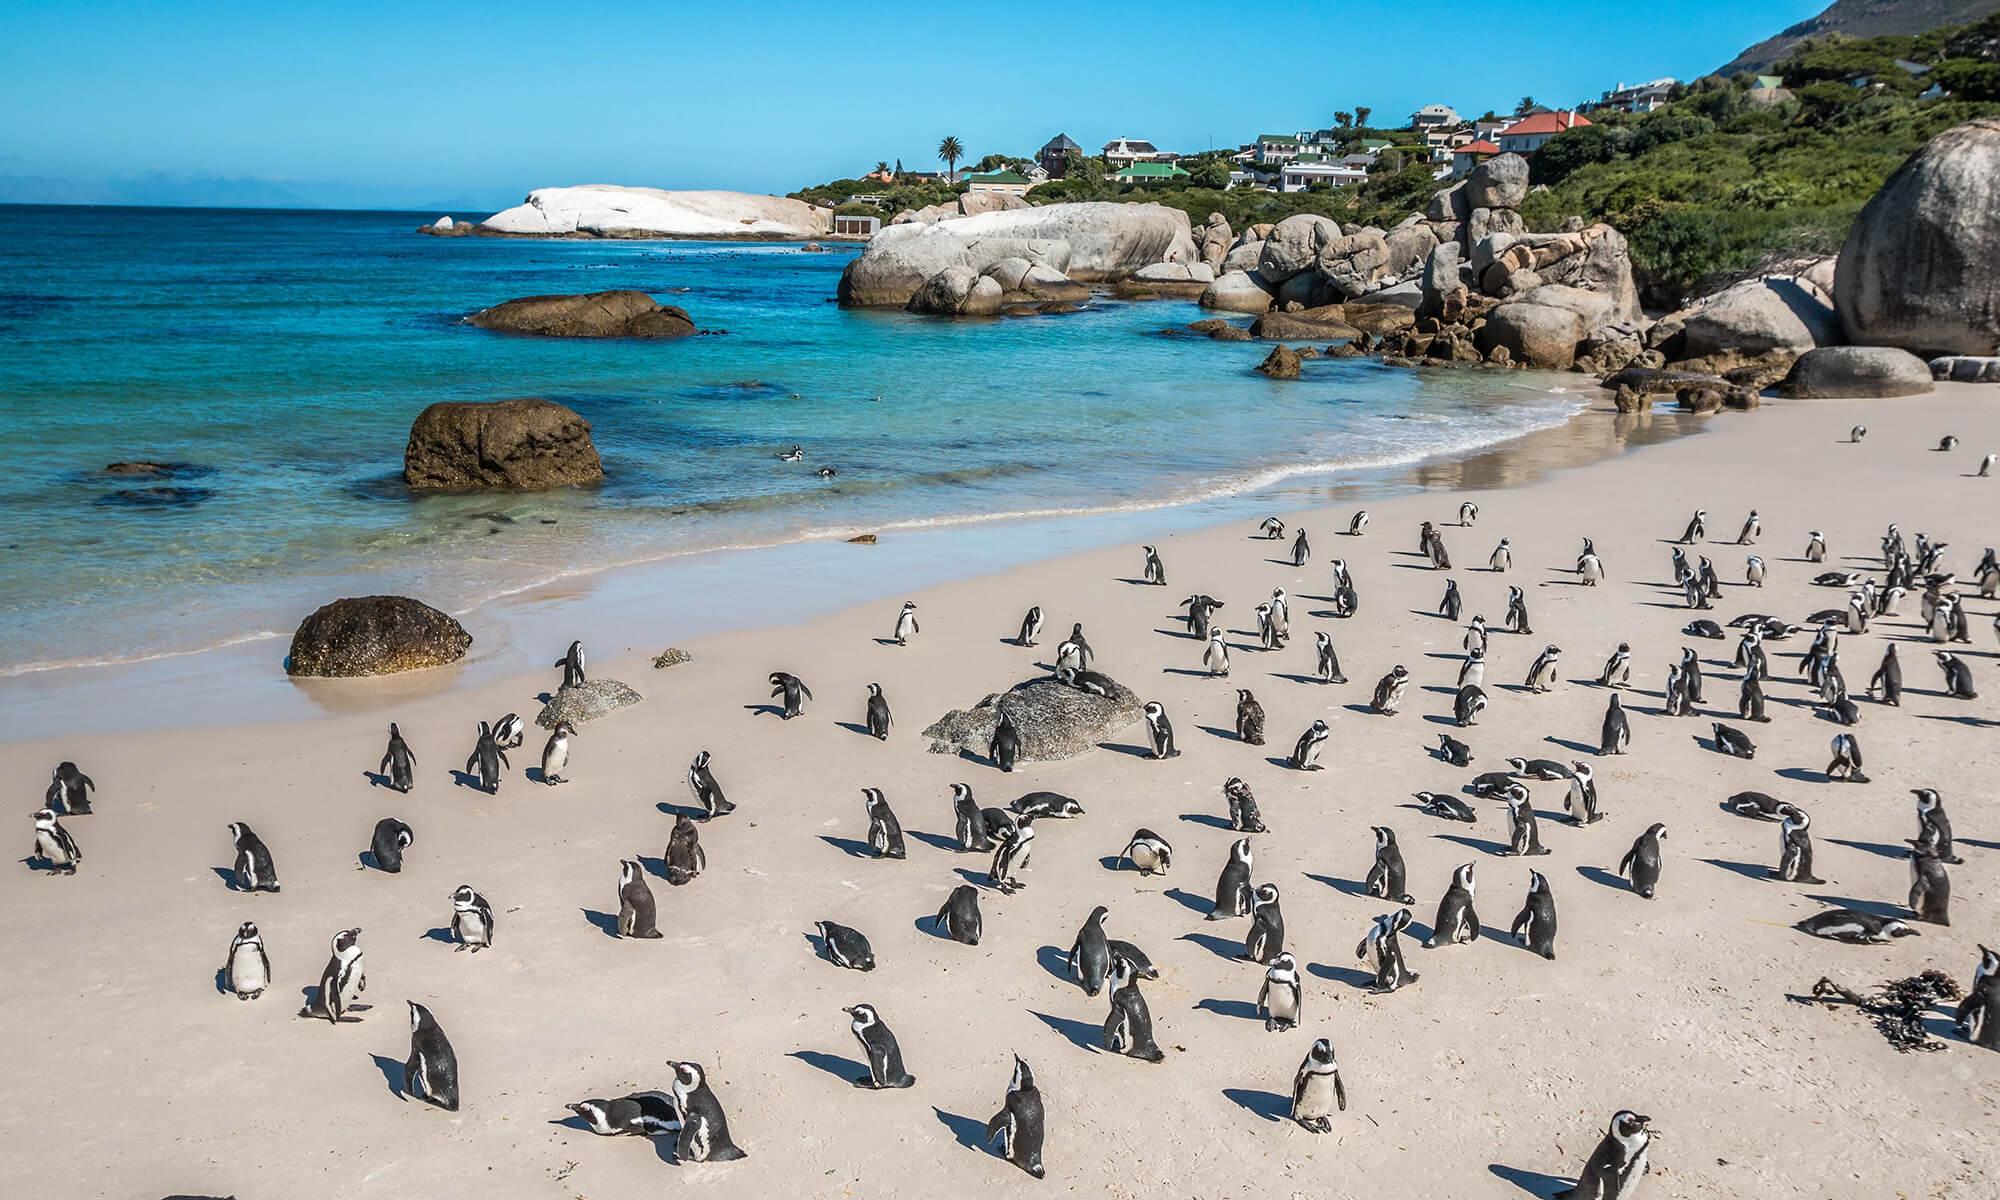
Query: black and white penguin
x,y
1457,922
342,981
1317,1091
845,946
1328,668
1128,1029
1795,848
1382,950
1215,657
471,919
1503,556
1752,526
1619,1162
572,666
1986,466
1200,614
1542,672
638,915
1090,953
1156,571
55,849
1815,546
906,624
1548,770
1468,704
793,690
1853,925
1430,543
1475,635
1301,549
1616,734
1957,676
1697,528
1267,925
69,790
1691,676
1581,802
1036,805
1160,731
1031,627
1517,611
248,968
1244,816
431,1074
1468,514
1387,878
959,919
707,793
1389,691
1272,529
486,759
878,713
1641,863
1148,852
1524,836
1535,925
510,731
1232,887
1358,523
1453,751
387,843
1750,698
1978,1015
685,858
1703,628
398,764
1617,670
1589,567
1451,808
641,1114
1761,805
704,1135
1249,718
1846,762
885,1056
1731,741
1281,1001
1018,1124
1472,671
1754,571
253,871
1305,754
1491,785
1947,444
968,827
1933,824
885,833
1930,885
1005,747
555,755
1141,965
796,454
1451,606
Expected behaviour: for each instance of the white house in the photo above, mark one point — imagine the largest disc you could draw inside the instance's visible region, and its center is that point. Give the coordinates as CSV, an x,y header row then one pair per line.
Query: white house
x,y
1298,176
1434,116
1532,132
1120,153
1641,97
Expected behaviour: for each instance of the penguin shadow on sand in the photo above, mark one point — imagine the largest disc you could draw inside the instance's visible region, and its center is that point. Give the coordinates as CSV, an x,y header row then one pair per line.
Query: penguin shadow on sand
x,y
1295,677
1240,1009
1084,1035
607,923
848,846
1126,749
375,778
440,933
969,1132
1877,908
1055,960
680,810
310,1003
1227,735
1202,904
1221,947
1804,775
461,779
393,1074
1268,1105
758,710
833,1064
1353,977
1571,744
1346,887
1532,1182
1883,849
978,877
1208,819
1472,843
1604,878
226,874
858,726
936,841
1758,871
222,981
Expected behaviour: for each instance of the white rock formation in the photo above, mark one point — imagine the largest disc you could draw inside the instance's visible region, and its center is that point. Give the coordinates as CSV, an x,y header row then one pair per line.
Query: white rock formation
x,y
607,210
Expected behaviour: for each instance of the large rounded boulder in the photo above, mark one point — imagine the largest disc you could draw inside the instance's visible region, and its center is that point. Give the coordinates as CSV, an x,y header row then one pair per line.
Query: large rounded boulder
x,y
526,445
1499,182
623,314
375,635
1538,335
1772,319
1857,372
1921,267
1055,721
1294,246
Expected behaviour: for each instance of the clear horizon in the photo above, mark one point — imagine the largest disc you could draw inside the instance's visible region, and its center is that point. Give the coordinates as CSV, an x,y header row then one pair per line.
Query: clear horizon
x,y
211,104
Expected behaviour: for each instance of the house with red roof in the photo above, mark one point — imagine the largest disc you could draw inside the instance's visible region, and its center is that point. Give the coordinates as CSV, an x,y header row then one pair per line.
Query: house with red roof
x,y
1470,155
1533,131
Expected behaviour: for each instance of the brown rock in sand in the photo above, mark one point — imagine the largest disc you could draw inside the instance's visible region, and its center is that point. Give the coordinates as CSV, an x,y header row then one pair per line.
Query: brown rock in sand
x,y
521,444
375,635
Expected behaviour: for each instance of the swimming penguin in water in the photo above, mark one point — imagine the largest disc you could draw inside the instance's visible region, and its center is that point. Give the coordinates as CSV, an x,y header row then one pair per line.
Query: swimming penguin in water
x,y
1148,852
1846,762
885,833
1156,571
1232,887
1382,951
969,828
1641,863
386,845
1031,627
704,1135
1090,954
572,666
248,968
1019,1123
1267,925
1328,669
1619,1162
845,947
1216,656
471,919
1453,751
1581,802
1697,528
1535,926
342,981
878,713
431,1073
399,766
485,761
1281,1001
638,915
253,871
795,454
707,793
1524,837
1978,1015
1387,877
1615,737
1795,847
1733,742
906,623
1305,754
878,1044
1933,825
1005,747
1468,704
827,473
1542,672
1957,676
1853,925
555,755
1930,886
1457,922
1503,556
1128,1029
1301,549
794,691
959,918
1389,691
54,847
1450,607
1160,731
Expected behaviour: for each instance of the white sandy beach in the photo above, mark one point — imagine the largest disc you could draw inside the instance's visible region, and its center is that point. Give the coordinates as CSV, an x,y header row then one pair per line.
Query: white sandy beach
x,y
1492,1076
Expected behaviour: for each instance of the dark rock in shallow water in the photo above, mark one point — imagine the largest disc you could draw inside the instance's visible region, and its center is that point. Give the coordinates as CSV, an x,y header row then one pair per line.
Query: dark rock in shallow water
x,y
624,314
1282,363
161,496
1054,719
157,470
375,635
526,444
587,701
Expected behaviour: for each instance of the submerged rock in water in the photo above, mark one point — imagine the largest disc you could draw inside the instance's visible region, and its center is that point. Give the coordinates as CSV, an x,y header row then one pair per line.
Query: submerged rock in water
x,y
161,496
375,635
1055,720
621,314
156,470
526,444
587,701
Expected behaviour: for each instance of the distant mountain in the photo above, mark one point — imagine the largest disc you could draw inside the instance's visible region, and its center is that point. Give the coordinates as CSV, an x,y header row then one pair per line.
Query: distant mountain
x,y
153,189
1861,18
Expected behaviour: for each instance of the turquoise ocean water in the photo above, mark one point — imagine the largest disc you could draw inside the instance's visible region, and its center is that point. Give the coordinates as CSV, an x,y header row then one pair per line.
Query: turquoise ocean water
x,y
282,355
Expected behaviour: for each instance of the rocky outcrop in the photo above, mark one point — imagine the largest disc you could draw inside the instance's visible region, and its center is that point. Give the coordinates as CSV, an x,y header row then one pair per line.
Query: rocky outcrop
x,y
594,315
958,292
1499,182
1766,322
1238,291
1054,720
1294,246
375,635
588,701
1213,240
1535,335
1352,263
521,444
1408,246
1921,266
1444,290
1844,372
1966,368
1325,324
610,211
1281,363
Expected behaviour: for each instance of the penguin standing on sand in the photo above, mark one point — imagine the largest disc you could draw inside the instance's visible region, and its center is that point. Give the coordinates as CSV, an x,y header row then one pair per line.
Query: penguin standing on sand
x,y
638,915
906,623
1503,556
342,981
1472,672
1468,704
1148,852
707,793
1846,762
1301,549
1957,676
253,871
885,1057
1232,887
1090,954
1750,698
1216,656
1475,635
1159,730
1581,802
1795,847
1249,718
1753,571
431,1073
510,731
1389,691
1281,1001
1930,886
1267,926
1815,546
1986,466
1933,825
1031,627
1641,863
1542,673
485,761
1011,847
1619,1162
1383,951
471,919
1430,543
397,762
1200,614
1468,514
1978,1015
959,919
1523,835
885,832
1328,669
1617,671
968,827
1517,611
386,845
572,666
69,790
794,691
1387,878
1358,523
845,947
248,968
1535,926
704,1135
1317,1091
1457,922
878,713
1018,1124
555,755
1156,571
1128,1029
1697,528
1589,567
1272,529
1305,755
1752,526
1005,747
1616,735
1450,607
54,847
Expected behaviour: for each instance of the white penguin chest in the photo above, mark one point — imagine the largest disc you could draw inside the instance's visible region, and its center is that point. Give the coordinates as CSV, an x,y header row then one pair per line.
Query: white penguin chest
x,y
1316,1098
246,970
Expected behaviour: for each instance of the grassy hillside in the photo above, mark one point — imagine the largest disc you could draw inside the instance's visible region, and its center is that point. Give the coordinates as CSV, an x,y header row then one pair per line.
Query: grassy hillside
x,y
1860,18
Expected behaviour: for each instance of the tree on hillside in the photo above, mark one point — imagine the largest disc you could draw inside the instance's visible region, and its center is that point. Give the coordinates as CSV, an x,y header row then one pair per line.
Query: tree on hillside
x,y
899,167
1212,174
1361,114
1524,106
1343,118
950,151
881,167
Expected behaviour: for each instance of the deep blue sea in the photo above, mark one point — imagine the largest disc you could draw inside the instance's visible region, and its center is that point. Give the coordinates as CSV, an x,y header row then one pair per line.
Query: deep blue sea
x,y
282,356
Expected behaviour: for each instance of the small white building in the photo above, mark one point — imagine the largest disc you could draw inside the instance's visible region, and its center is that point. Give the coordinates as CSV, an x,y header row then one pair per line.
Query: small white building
x,y
1434,116
1120,153
1532,132
1641,97
1298,176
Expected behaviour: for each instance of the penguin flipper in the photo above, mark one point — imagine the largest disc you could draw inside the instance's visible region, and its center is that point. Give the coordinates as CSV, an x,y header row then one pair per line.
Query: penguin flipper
x,y
995,1127
1339,1091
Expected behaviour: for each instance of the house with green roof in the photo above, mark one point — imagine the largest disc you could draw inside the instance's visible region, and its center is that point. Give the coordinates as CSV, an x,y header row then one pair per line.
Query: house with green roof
x,y
1151,172
1276,149
1006,182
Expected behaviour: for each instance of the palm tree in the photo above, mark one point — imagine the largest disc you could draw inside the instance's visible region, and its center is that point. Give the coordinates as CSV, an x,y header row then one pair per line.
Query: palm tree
x,y
1521,109
1361,115
1343,118
950,151
882,167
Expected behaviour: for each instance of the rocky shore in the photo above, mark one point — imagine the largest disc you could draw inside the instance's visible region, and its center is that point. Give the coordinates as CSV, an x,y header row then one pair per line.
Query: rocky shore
x,y
611,211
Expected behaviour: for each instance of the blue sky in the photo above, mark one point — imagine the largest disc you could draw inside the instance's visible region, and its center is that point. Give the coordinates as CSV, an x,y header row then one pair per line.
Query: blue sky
x,y
364,103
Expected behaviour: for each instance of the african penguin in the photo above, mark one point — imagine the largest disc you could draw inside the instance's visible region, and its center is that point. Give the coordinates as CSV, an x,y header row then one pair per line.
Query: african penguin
x,y
885,1056
1641,863
1619,1162
1358,523
342,981
471,919
1031,627
1389,691
1542,673
1148,852
959,918
1267,925
431,1074
54,847
1281,1001
253,871
906,624
1011,847
485,761
1128,1029
1616,734
1216,656
1523,834
555,755
685,858
1933,824
1160,731
1450,607
638,915
1317,1091
1018,1124
1232,887
1090,954
968,827
510,731
386,845
1853,925
1456,922
845,947
398,764
248,968
707,793
1581,802
1387,877
1978,1015
572,666
1156,572
1005,747
1795,847
878,713
1383,951
794,691
1328,669
1535,926
885,832
1305,754
704,1134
